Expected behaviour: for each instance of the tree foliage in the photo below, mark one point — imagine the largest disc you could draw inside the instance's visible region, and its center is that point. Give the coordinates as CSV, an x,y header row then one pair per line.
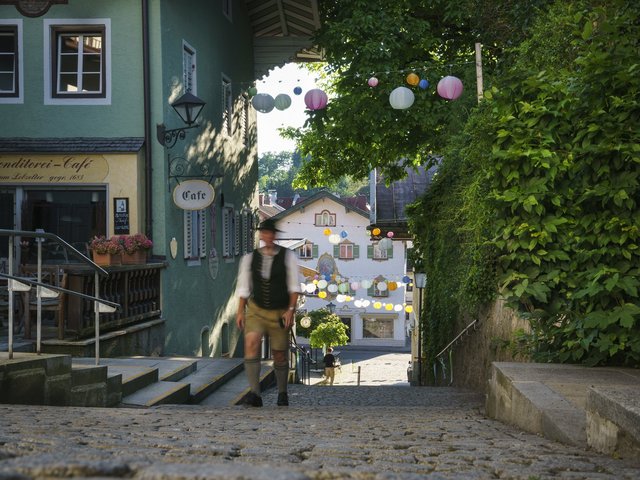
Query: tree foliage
x,y
331,332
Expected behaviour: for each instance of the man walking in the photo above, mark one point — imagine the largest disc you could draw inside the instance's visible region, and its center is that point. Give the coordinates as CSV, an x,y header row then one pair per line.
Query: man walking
x,y
268,290
329,366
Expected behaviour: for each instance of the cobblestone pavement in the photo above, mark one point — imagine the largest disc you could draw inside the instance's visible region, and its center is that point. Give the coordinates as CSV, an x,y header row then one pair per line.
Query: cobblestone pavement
x,y
352,432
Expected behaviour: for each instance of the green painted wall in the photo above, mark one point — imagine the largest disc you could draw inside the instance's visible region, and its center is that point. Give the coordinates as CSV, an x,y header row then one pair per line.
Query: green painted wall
x,y
192,299
124,117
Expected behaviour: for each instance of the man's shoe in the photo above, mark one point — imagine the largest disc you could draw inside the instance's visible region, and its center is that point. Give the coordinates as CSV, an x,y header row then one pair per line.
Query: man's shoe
x,y
283,399
253,400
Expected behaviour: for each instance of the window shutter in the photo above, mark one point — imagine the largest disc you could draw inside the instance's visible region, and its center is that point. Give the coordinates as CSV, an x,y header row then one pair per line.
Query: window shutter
x,y
186,215
372,289
203,233
390,252
356,251
245,233
369,251
236,231
336,251
226,232
315,251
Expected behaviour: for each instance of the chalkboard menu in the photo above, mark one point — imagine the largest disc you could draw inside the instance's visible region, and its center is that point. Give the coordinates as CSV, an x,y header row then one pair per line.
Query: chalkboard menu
x,y
121,216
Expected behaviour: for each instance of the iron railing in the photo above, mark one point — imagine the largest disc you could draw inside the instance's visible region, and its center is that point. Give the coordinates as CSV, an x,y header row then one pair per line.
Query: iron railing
x,y
439,358
24,284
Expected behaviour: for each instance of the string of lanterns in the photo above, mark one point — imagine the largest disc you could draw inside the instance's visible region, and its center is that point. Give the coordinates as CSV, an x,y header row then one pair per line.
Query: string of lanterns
x,y
448,87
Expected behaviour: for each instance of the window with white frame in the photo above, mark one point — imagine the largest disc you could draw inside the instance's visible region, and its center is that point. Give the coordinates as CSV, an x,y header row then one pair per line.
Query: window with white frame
x,y
373,327
195,234
189,68
308,250
227,106
11,83
379,253
325,219
346,250
228,232
77,62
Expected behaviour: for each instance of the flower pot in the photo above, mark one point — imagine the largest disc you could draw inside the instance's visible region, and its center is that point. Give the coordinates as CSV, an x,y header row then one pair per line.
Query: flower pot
x,y
136,258
106,259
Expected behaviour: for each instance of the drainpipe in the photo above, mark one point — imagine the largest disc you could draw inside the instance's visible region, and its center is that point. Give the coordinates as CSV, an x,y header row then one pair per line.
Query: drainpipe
x,y
147,120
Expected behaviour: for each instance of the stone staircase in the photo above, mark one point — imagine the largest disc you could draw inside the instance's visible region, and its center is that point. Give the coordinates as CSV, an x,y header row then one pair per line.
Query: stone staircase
x,y
126,382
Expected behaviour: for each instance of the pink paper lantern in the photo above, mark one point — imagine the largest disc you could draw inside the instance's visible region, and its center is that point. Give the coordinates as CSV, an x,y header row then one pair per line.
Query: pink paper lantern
x,y
372,82
450,87
315,99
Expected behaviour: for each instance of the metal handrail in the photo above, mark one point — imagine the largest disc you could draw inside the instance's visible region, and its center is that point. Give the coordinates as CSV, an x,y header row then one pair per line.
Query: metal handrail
x,y
98,271
306,359
439,356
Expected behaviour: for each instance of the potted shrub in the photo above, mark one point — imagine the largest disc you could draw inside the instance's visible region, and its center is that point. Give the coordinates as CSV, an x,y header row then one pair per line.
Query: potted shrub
x,y
135,248
105,251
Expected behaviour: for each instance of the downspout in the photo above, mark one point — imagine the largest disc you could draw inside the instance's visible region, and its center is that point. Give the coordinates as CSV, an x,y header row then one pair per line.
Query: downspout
x,y
147,120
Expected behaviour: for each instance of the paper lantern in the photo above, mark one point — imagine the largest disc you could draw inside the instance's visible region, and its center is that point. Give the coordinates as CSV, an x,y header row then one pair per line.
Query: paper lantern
x,y
413,79
282,101
406,279
382,286
252,91
423,84
357,304
397,308
392,286
376,231
408,309
322,284
450,87
377,305
327,231
344,234
322,294
334,239
366,303
333,288
367,233
343,288
372,82
297,90
315,99
365,283
263,102
401,98
390,234
341,298
355,286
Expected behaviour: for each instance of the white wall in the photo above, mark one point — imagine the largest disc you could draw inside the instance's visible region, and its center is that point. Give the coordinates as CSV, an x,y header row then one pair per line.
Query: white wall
x,y
300,223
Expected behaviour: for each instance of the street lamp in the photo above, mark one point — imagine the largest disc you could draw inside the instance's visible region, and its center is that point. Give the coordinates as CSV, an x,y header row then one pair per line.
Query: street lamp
x,y
331,307
188,107
420,281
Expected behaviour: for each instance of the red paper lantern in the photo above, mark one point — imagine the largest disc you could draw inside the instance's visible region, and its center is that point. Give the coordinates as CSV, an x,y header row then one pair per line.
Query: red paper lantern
x,y
450,87
315,99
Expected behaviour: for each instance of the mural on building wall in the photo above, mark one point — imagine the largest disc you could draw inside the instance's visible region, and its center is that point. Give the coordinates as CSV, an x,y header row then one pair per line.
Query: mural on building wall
x,y
327,266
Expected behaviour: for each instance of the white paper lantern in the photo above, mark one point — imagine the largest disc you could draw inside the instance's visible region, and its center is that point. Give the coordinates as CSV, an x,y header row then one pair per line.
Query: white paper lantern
x,y
401,98
382,286
365,283
322,284
333,288
334,238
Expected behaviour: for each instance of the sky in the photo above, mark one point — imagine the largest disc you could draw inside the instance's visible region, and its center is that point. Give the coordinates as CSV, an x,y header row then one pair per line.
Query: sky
x,y
282,80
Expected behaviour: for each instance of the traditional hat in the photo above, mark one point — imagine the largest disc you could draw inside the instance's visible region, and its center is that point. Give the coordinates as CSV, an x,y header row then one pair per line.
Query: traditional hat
x,y
269,224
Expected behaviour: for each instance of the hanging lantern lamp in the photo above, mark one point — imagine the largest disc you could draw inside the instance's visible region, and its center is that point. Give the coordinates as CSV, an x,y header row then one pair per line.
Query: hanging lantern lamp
x,y
401,98
315,99
282,101
263,102
450,87
372,82
413,79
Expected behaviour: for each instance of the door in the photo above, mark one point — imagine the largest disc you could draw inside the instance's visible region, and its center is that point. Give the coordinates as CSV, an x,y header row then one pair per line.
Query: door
x,y
7,222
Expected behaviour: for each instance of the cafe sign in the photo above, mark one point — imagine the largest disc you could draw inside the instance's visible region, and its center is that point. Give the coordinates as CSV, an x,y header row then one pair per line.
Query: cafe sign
x,y
52,169
193,195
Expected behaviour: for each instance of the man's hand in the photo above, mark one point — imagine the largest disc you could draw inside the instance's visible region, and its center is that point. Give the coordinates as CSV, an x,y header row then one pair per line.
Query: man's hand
x,y
240,320
289,318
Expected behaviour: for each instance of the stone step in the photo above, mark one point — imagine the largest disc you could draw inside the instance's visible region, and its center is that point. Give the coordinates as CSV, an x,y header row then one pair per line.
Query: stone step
x,y
134,377
211,375
88,386
158,393
235,389
170,369
35,379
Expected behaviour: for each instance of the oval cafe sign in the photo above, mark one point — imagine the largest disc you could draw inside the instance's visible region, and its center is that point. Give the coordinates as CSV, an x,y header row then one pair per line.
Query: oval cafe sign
x,y
193,195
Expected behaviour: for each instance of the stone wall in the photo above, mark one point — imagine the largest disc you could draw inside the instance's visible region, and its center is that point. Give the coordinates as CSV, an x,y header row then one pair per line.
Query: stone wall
x,y
489,341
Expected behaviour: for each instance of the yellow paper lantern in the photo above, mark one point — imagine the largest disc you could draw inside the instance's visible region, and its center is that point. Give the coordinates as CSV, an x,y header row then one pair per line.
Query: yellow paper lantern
x,y
389,306
327,231
413,79
377,305
408,309
392,286
322,294
376,231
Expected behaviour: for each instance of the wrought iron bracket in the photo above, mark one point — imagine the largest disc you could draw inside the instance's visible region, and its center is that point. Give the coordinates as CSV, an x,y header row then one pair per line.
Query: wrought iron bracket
x,y
178,167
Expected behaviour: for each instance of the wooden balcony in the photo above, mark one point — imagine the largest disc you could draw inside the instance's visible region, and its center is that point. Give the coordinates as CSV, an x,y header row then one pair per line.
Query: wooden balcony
x,y
135,287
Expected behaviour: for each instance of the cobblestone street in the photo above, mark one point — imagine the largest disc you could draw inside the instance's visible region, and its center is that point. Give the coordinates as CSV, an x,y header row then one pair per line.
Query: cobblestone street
x,y
344,431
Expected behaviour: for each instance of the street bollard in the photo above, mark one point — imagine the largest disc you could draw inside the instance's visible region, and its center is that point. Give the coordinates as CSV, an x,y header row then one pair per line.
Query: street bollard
x,y
359,376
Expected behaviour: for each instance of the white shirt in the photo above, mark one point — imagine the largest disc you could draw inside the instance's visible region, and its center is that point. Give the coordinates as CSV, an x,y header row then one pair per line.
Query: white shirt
x,y
245,282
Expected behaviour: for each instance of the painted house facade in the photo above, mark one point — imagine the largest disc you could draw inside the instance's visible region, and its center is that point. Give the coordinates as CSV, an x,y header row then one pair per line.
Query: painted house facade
x,y
364,283
86,90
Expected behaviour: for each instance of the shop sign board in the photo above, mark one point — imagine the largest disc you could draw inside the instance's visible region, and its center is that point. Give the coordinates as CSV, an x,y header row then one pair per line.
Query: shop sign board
x,y
53,169
193,194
